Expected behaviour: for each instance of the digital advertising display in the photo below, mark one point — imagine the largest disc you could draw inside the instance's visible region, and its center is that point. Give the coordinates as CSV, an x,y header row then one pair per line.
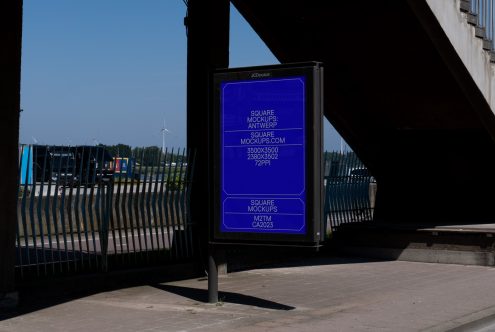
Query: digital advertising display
x,y
267,155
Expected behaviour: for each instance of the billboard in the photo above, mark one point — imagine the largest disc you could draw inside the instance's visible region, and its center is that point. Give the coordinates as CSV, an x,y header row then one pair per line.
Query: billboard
x,y
267,155
123,166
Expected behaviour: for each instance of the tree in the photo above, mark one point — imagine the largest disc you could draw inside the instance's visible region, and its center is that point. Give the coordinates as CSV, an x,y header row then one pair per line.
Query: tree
x,y
119,150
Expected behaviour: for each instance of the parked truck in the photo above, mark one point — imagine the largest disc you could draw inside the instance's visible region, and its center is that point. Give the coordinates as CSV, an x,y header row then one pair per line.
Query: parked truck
x,y
72,166
55,164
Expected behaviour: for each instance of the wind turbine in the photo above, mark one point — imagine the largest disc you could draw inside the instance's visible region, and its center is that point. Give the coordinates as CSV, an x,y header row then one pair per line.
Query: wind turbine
x,y
164,130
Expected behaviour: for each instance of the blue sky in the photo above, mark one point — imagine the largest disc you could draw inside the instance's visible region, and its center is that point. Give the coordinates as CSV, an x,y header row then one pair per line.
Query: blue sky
x,y
111,71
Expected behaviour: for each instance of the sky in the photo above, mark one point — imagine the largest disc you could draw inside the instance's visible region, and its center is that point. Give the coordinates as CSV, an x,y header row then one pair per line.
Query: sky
x,y
114,71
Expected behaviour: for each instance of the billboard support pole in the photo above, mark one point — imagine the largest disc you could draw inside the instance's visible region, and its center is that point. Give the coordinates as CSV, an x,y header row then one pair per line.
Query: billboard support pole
x,y
212,275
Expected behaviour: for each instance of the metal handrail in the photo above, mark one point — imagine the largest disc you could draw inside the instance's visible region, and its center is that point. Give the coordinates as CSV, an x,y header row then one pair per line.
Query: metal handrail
x,y
484,10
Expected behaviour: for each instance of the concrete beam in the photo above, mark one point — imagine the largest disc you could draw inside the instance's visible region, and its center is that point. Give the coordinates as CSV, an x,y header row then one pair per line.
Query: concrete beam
x,y
207,25
10,67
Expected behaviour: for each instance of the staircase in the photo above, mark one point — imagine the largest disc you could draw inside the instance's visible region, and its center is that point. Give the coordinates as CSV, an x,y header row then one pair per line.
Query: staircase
x,y
481,15
410,85
469,28
471,244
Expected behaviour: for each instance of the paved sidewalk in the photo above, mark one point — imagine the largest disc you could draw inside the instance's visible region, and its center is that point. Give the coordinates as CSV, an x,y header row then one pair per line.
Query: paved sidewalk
x,y
325,294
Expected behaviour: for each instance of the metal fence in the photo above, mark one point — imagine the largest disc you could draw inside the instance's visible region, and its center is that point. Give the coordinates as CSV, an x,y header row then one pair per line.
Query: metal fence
x,y
349,190
481,14
79,209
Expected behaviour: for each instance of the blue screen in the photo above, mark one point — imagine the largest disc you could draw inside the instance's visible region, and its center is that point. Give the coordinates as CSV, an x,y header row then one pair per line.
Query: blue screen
x,y
262,156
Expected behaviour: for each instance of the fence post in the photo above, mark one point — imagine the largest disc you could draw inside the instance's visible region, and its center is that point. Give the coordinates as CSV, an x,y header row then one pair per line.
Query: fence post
x,y
106,208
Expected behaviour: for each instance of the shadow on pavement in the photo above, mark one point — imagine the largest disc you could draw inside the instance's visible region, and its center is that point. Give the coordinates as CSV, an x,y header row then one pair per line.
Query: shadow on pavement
x,y
201,295
37,295
41,294
241,260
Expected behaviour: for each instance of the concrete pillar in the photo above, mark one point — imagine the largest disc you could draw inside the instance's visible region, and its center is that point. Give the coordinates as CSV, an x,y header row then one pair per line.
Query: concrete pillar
x,y
10,69
207,25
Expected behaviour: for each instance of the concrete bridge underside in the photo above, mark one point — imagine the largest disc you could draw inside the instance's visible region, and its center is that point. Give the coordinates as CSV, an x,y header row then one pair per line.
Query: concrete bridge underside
x,y
397,91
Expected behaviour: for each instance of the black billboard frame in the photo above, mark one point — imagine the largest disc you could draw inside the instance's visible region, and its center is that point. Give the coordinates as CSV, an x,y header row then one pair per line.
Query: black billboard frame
x,y
314,235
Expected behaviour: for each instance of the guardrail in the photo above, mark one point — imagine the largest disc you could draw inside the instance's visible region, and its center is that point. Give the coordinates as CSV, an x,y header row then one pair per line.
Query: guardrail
x,y
349,190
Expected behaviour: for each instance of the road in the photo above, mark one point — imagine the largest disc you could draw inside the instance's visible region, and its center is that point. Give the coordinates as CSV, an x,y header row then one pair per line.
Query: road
x,y
54,190
88,246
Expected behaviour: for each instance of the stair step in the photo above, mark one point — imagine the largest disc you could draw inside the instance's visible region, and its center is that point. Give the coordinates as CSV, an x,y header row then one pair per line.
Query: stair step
x,y
479,258
479,32
472,18
487,44
492,56
465,6
453,244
